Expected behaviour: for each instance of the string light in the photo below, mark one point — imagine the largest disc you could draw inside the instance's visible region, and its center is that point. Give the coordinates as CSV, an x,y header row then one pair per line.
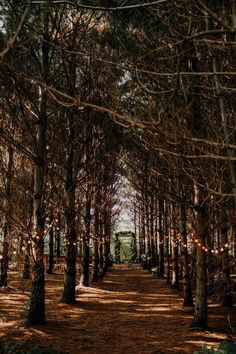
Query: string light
x,y
214,250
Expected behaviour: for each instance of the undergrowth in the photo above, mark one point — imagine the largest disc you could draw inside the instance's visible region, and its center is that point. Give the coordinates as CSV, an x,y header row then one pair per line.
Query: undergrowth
x,y
18,348
224,347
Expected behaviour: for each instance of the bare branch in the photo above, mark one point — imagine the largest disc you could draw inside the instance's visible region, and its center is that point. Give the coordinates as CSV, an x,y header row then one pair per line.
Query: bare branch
x,y
101,8
11,41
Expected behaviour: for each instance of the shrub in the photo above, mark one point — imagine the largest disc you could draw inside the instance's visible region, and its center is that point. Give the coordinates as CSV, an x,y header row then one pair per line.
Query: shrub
x,y
224,347
17,348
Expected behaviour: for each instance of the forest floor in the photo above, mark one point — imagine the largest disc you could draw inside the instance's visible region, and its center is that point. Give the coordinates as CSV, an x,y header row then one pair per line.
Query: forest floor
x,y
130,311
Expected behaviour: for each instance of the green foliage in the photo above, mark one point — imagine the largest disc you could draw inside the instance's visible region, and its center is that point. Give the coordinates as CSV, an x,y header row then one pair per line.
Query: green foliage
x,y
17,348
12,347
133,249
117,249
224,347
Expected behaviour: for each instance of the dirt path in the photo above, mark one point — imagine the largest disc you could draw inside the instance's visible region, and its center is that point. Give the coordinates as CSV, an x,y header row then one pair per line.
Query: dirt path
x,y
129,312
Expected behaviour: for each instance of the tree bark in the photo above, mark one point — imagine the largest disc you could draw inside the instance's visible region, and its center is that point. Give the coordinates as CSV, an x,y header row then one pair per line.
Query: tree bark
x,y
86,238
227,299
58,237
175,250
152,236
167,241
161,237
69,295
187,288
26,266
200,318
95,258
51,249
7,220
107,233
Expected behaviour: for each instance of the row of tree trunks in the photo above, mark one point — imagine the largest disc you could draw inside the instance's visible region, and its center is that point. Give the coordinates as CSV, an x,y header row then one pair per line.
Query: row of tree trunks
x,y
172,251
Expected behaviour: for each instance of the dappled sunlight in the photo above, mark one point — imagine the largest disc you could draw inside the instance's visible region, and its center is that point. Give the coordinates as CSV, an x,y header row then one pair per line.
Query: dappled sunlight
x,y
129,310
37,332
208,343
153,309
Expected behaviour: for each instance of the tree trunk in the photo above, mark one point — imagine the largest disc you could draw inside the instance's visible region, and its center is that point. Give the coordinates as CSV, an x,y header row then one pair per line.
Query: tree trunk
x,y
200,310
140,236
226,281
85,262
5,257
51,250
153,258
58,237
95,259
36,313
27,256
175,250
7,220
175,266
187,289
69,296
107,232
147,218
167,242
26,266
100,248
161,237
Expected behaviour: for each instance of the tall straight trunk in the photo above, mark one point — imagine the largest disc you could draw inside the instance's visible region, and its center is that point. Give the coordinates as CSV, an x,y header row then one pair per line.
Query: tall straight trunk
x,y
5,255
85,262
140,236
7,220
147,218
100,248
227,299
167,241
161,236
69,295
36,314
153,259
175,250
156,232
210,259
107,233
58,237
168,256
26,265
134,240
51,249
27,261
143,228
95,258
187,288
175,266
200,311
